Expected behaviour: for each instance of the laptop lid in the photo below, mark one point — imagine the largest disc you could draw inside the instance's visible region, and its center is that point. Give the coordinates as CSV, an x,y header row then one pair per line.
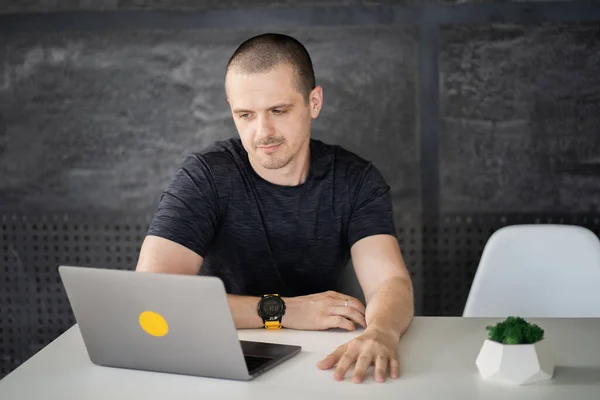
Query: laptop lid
x,y
157,322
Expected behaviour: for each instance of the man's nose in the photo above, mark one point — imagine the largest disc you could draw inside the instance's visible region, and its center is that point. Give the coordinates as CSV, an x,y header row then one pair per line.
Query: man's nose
x,y
265,126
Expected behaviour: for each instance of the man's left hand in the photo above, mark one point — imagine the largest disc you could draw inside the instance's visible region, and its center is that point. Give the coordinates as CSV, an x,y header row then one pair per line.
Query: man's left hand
x,y
373,346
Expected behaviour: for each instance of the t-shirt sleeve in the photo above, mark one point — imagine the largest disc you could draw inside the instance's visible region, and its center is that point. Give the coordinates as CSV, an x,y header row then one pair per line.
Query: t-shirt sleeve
x,y
372,211
188,211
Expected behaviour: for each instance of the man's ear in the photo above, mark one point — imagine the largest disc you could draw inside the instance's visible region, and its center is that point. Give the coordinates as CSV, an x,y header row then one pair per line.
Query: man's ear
x,y
316,101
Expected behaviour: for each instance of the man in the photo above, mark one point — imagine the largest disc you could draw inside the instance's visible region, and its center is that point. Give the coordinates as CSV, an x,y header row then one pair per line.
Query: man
x,y
276,212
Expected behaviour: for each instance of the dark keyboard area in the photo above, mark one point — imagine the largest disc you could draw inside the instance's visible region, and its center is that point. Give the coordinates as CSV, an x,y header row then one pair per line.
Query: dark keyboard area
x,y
254,362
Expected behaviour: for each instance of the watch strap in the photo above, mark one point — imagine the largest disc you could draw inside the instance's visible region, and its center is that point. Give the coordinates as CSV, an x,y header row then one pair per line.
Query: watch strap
x,y
272,325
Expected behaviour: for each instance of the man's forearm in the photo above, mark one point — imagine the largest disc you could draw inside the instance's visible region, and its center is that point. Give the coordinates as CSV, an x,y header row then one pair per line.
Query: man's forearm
x,y
243,309
391,307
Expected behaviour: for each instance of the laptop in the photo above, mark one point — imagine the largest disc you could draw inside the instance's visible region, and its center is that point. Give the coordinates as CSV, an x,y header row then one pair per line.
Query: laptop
x,y
167,323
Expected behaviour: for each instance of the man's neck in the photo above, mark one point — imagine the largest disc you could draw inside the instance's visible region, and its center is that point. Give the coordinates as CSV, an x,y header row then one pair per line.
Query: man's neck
x,y
293,174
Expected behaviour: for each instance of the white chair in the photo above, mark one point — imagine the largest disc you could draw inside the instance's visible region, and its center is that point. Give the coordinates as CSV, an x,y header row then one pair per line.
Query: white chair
x,y
537,271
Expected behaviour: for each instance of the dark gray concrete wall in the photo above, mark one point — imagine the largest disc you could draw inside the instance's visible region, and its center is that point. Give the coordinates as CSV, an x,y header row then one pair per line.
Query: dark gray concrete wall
x,y
520,118
100,121
33,6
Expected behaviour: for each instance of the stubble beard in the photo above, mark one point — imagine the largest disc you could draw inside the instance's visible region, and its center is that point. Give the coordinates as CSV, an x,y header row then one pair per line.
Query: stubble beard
x,y
275,160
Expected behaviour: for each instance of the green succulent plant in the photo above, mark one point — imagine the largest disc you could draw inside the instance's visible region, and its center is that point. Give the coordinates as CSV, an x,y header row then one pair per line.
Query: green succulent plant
x,y
515,330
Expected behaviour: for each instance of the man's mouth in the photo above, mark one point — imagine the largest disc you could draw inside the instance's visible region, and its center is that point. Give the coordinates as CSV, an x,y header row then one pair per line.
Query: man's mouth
x,y
270,147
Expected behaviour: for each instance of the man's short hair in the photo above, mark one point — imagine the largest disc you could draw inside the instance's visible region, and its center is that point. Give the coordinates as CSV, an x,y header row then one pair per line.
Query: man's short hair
x,y
263,52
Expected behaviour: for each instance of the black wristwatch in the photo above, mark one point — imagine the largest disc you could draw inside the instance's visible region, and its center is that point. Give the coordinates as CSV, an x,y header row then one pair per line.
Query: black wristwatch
x,y
271,309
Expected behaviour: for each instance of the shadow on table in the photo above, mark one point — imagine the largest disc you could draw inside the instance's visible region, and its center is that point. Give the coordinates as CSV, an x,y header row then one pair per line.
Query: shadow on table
x,y
576,375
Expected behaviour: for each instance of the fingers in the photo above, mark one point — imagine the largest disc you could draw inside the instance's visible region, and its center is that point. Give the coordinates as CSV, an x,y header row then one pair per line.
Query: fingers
x,y
394,368
355,303
351,313
363,362
363,351
341,300
381,365
332,359
336,321
344,365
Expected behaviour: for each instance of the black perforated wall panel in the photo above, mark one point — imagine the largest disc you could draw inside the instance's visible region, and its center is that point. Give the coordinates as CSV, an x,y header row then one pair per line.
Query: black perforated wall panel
x,y
33,305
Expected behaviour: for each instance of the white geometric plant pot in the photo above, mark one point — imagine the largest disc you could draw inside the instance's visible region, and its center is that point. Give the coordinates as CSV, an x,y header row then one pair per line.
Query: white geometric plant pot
x,y
515,364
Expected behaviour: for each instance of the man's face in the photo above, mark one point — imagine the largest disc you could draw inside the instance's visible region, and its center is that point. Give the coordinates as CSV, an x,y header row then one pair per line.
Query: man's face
x,y
271,115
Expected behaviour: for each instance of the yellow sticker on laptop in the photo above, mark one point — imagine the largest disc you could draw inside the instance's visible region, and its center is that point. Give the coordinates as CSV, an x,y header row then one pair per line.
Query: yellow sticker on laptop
x,y
153,323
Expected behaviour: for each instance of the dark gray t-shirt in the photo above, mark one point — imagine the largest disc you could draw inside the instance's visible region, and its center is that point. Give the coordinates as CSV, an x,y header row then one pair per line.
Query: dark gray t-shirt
x,y
259,237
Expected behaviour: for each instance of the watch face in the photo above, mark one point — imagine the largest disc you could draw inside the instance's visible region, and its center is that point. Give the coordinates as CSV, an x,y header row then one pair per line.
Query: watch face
x,y
271,307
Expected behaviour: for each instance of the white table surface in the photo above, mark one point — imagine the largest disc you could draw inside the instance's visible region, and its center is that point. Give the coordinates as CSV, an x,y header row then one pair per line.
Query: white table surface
x,y
437,362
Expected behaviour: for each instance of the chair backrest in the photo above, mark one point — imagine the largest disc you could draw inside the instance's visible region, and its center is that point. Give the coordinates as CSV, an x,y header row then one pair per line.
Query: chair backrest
x,y
537,271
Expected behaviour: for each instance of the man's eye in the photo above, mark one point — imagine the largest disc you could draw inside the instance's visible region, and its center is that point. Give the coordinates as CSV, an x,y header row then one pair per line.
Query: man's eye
x,y
244,116
278,111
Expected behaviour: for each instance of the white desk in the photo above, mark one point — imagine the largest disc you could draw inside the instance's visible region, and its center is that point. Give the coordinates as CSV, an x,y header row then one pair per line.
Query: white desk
x,y
437,362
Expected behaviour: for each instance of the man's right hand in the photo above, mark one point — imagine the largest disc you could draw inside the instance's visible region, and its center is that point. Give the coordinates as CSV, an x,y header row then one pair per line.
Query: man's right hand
x,y
323,311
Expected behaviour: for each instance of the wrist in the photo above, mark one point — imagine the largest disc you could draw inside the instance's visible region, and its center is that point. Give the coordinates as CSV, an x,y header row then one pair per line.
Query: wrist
x,y
383,331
